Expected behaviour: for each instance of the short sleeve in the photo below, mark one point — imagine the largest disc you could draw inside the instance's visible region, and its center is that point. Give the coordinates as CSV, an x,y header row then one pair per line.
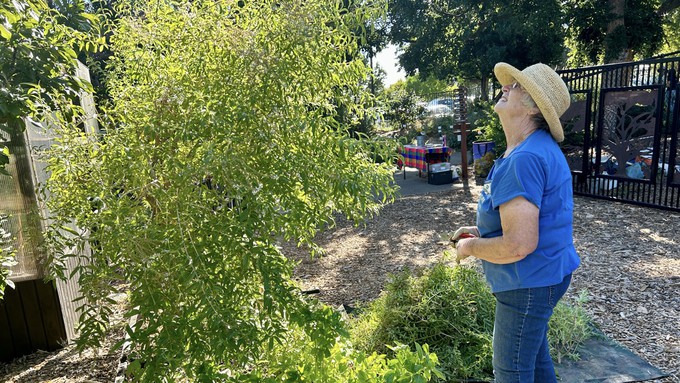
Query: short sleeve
x,y
523,175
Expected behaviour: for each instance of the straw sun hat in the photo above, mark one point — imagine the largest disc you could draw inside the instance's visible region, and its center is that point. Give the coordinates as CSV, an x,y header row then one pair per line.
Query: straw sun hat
x,y
546,89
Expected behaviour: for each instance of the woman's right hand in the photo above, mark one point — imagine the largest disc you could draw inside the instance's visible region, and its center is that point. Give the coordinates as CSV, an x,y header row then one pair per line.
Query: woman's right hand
x,y
469,230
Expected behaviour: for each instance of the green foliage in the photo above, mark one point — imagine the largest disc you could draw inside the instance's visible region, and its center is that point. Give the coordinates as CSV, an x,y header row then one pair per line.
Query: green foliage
x,y
594,38
429,125
451,309
483,165
405,111
294,360
221,143
423,87
586,31
643,28
38,59
671,28
402,110
569,327
486,125
465,39
6,257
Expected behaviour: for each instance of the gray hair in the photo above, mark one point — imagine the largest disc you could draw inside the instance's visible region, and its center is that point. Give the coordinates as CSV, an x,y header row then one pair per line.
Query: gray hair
x,y
537,118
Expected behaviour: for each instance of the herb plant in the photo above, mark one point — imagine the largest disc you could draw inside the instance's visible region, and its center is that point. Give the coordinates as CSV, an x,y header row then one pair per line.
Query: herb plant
x,y
452,310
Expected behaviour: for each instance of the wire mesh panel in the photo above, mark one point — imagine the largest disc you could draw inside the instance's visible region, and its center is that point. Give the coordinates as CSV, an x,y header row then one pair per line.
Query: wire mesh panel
x,y
19,207
621,132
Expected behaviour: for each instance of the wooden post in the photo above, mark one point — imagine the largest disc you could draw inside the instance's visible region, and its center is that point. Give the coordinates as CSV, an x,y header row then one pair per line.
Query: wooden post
x,y
462,124
463,149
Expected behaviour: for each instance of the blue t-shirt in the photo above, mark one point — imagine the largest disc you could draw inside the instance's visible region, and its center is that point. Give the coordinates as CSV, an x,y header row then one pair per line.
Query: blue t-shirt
x,y
537,171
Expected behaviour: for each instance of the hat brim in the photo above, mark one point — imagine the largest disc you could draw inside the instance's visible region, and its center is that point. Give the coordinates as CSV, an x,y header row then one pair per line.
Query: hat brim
x,y
507,74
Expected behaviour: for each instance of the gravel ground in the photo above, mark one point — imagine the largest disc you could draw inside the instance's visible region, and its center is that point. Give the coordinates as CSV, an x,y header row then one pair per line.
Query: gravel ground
x,y
630,267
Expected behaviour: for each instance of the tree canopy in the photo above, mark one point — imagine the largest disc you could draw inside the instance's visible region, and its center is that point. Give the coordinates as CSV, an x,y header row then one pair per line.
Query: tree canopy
x,y
222,146
461,40
465,39
618,31
38,56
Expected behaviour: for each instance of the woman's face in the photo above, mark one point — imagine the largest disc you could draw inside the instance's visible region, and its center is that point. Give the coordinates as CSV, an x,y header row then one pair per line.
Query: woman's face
x,y
510,103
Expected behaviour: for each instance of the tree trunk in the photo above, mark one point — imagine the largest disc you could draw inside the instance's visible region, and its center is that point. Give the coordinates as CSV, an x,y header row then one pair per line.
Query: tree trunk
x,y
616,45
616,42
484,84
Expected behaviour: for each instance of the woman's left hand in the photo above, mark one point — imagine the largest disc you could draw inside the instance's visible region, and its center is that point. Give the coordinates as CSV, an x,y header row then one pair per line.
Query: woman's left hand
x,y
463,248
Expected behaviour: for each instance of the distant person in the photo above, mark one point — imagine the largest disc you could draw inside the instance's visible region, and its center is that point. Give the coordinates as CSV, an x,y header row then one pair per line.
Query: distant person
x,y
524,223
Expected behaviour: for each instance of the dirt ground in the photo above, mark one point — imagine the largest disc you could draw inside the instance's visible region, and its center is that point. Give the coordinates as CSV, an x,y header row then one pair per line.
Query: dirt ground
x,y
630,268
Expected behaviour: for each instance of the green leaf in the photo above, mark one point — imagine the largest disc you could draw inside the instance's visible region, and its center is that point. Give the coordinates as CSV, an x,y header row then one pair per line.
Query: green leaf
x,y
4,160
5,33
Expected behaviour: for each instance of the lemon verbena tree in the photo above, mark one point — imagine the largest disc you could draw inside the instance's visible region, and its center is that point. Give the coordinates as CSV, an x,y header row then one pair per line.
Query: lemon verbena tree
x,y
221,143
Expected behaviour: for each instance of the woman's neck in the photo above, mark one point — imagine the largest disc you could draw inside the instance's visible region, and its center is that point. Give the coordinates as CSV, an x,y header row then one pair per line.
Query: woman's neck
x,y
517,131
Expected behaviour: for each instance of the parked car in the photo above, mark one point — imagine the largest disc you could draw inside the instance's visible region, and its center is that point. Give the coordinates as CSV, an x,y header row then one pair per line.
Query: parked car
x,y
439,106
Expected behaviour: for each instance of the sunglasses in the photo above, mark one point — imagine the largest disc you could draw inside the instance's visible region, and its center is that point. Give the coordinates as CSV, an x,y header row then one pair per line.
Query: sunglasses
x,y
514,85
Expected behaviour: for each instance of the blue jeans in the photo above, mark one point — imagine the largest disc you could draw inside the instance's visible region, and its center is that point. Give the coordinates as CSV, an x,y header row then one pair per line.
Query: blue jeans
x,y
520,334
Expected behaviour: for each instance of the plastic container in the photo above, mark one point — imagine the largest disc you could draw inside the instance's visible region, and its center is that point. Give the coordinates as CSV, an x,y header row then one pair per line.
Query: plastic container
x,y
480,148
440,178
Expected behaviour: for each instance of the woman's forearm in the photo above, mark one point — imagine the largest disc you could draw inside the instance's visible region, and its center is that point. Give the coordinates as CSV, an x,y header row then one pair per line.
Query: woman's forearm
x,y
500,250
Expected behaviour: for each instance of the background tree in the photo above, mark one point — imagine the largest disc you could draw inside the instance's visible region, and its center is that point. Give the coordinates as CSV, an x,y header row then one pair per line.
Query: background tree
x,y
225,147
422,87
372,39
464,39
38,59
96,61
672,31
402,111
621,30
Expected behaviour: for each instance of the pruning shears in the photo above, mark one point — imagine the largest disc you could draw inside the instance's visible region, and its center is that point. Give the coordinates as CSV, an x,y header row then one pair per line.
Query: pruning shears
x,y
463,236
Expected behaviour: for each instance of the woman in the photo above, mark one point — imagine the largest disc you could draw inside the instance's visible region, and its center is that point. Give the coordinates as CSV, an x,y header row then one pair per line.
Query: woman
x,y
524,223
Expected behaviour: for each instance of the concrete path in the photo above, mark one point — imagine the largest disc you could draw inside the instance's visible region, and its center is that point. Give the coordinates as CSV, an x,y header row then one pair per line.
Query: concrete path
x,y
415,184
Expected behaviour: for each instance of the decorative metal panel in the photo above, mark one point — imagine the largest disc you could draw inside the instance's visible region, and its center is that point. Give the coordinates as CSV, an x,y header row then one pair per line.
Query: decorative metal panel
x,y
630,146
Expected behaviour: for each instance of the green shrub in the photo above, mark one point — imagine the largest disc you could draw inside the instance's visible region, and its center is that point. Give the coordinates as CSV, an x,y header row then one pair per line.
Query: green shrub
x,y
7,259
569,327
299,359
484,164
223,143
486,125
451,309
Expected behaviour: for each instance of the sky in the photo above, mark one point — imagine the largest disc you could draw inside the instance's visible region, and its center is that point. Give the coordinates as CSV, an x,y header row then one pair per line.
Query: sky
x,y
387,59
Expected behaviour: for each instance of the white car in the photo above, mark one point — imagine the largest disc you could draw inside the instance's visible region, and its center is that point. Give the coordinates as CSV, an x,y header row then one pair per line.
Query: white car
x,y
439,106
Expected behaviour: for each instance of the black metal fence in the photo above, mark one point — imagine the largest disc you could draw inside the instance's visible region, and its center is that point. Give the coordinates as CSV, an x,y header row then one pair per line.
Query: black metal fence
x,y
622,129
